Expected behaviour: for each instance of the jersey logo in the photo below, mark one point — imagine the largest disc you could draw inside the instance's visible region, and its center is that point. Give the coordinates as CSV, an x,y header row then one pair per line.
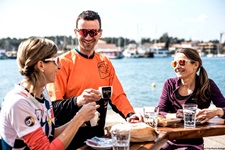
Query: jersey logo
x,y
29,121
103,70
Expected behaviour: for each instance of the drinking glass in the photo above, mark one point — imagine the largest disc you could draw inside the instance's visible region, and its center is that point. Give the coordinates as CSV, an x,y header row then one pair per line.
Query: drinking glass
x,y
189,111
151,116
120,134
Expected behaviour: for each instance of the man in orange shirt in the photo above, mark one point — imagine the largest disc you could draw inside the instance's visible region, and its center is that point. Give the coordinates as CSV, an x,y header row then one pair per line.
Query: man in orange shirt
x,y
83,71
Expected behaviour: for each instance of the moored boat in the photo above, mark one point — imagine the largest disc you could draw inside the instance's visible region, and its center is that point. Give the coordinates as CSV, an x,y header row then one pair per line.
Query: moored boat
x,y
131,53
11,54
161,53
2,54
111,53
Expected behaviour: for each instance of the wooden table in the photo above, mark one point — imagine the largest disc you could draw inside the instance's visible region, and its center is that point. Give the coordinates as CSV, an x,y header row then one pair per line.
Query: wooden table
x,y
213,127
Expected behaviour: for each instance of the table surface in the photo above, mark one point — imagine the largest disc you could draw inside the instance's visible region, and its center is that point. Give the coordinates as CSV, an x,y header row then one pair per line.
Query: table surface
x,y
213,127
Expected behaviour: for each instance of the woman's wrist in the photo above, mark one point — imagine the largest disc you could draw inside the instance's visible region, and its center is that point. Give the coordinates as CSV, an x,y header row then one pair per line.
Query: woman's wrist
x,y
78,118
219,112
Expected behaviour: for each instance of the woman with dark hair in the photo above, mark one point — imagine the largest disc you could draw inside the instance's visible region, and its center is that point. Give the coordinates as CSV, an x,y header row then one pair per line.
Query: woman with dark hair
x,y
190,87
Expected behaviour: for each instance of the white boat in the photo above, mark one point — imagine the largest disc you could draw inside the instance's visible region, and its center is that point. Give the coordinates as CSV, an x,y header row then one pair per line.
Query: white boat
x,y
220,55
111,53
161,53
210,55
11,54
130,53
216,55
3,54
146,53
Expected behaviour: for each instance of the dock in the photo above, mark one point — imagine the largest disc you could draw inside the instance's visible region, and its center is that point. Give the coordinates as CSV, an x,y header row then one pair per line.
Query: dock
x,y
210,143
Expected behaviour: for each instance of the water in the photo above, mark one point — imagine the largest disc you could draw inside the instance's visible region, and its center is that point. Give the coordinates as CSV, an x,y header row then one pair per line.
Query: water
x,y
190,116
136,75
151,118
121,141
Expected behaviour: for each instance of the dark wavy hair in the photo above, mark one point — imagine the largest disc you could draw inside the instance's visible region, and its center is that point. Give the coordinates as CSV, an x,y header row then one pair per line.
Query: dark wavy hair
x,y
204,92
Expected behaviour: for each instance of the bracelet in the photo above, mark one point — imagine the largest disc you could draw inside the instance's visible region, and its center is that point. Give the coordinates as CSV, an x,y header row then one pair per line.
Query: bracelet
x,y
129,114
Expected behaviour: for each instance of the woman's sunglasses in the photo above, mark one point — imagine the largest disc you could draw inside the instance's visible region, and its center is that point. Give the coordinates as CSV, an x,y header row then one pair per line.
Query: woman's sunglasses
x,y
181,62
91,32
55,59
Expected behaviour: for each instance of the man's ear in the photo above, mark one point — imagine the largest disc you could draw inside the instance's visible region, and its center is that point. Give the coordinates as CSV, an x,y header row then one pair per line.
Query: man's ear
x,y
100,33
75,32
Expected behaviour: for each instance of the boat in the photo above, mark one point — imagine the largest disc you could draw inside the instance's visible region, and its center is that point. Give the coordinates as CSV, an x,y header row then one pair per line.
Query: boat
x,y
111,53
3,54
131,53
146,53
11,54
161,53
210,55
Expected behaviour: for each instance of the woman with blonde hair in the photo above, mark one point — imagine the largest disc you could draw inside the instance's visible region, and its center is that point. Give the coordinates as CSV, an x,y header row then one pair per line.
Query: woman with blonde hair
x,y
27,115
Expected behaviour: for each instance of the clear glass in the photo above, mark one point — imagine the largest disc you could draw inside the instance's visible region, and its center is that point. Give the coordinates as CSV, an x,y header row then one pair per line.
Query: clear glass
x,y
189,111
151,116
120,134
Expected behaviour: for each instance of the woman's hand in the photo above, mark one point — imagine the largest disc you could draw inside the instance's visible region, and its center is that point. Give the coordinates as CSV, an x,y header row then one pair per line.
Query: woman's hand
x,y
180,113
206,114
88,95
87,112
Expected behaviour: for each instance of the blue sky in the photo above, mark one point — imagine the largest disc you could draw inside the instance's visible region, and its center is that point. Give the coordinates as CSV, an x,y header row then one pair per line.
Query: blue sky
x,y
189,19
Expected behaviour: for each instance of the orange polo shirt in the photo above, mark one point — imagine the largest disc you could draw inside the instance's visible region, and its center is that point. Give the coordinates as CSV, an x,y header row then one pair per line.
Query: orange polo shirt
x,y
78,73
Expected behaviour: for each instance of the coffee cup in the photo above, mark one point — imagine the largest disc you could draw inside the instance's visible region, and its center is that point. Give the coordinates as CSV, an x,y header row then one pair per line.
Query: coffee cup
x,y
94,120
105,91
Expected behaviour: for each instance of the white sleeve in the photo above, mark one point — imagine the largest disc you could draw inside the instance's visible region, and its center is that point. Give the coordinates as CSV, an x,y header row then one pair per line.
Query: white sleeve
x,y
22,118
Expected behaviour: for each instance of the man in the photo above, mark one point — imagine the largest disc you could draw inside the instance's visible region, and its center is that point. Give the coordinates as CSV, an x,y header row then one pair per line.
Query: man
x,y
82,72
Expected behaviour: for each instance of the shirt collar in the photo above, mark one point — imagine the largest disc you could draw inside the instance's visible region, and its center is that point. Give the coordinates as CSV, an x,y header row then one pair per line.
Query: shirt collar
x,y
85,56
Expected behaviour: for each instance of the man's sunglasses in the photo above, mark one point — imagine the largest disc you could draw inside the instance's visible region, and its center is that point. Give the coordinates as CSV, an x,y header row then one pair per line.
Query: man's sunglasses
x,y
91,32
181,62
54,59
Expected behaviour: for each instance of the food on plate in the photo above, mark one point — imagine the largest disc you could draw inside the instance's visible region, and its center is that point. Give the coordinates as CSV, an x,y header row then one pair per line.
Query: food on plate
x,y
164,122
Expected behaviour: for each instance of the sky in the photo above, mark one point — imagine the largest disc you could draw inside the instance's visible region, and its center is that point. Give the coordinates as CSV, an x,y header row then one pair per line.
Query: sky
x,y
202,20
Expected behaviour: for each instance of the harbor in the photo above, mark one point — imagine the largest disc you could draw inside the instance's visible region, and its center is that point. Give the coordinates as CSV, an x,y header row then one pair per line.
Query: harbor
x,y
142,78
117,48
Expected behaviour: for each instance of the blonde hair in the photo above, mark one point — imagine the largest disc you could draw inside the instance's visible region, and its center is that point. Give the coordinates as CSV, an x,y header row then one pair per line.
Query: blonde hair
x,y
29,53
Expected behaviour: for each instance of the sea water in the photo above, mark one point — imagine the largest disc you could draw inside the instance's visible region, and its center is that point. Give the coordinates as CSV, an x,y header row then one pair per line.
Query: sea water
x,y
136,75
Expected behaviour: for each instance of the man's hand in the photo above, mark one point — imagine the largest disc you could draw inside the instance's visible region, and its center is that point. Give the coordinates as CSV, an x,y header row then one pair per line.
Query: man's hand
x,y
135,118
88,95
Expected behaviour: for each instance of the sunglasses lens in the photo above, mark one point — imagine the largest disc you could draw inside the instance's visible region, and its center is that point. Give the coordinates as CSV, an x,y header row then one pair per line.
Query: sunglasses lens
x,y
93,32
85,32
182,62
174,64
